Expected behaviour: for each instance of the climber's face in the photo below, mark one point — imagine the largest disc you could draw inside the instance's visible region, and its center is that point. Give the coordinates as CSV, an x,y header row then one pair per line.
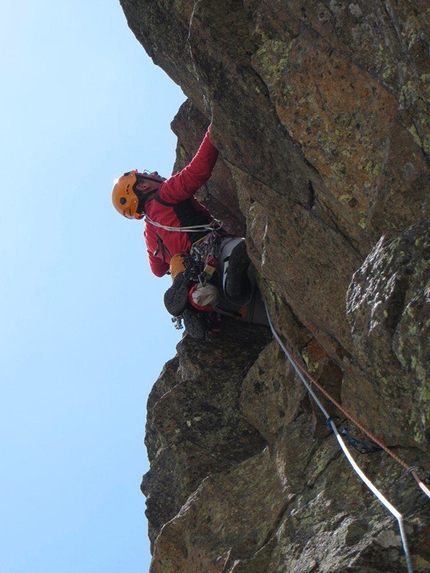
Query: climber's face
x,y
147,182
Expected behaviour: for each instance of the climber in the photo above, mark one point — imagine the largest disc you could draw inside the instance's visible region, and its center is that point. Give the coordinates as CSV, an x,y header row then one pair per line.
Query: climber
x,y
175,220
169,203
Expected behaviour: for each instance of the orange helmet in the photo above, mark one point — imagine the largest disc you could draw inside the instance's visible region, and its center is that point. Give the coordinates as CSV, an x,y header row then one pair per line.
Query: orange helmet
x,y
124,198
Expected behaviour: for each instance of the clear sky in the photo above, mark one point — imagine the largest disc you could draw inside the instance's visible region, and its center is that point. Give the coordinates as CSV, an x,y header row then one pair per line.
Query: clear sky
x,y
84,333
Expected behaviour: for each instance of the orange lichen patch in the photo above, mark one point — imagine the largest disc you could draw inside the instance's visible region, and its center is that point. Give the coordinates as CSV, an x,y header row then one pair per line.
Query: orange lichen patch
x,y
341,117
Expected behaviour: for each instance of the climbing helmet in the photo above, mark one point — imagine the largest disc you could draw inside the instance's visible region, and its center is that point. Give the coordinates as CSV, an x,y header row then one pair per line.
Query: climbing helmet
x,y
124,197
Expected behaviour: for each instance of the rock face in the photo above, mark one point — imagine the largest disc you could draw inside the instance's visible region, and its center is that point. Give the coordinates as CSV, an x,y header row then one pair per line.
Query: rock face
x,y
320,110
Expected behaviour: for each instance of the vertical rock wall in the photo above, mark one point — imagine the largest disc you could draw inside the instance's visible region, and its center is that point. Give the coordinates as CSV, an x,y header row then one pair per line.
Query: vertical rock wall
x,y
320,110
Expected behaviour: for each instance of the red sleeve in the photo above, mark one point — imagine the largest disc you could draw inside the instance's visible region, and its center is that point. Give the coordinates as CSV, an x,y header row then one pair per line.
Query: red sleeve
x,y
184,184
157,265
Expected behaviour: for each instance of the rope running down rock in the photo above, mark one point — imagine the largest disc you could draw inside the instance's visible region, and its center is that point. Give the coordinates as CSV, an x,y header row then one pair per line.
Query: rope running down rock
x,y
302,372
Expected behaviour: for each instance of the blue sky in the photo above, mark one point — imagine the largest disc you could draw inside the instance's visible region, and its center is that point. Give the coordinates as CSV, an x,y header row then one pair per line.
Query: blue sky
x,y
84,333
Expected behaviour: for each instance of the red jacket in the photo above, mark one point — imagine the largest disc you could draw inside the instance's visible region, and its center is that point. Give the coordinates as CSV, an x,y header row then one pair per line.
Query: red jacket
x,y
174,205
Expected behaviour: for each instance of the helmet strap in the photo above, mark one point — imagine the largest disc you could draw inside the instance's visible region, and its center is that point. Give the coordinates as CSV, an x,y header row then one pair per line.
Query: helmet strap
x,y
143,198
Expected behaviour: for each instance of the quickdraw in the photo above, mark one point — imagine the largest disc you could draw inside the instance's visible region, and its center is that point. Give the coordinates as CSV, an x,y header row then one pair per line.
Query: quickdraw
x,y
359,444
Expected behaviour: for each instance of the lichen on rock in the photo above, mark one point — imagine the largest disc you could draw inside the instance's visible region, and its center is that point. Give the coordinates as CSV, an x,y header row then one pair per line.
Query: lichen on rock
x,y
389,308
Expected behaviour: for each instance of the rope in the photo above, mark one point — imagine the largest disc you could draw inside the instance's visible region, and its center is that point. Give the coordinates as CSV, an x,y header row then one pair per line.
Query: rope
x,y
411,470
300,371
192,229
350,416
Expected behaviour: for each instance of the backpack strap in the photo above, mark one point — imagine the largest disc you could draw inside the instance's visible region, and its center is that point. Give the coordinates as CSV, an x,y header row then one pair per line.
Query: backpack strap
x,y
162,201
162,247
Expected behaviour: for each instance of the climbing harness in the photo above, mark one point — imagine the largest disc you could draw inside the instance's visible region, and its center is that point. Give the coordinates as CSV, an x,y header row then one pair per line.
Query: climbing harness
x,y
202,261
199,266
303,374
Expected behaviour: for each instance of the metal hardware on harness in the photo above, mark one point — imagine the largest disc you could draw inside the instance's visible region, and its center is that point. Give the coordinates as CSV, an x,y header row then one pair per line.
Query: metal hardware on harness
x,y
193,267
177,321
202,261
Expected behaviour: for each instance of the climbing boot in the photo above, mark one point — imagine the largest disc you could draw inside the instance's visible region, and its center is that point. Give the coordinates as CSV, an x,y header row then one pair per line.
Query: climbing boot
x,y
237,284
195,324
176,297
